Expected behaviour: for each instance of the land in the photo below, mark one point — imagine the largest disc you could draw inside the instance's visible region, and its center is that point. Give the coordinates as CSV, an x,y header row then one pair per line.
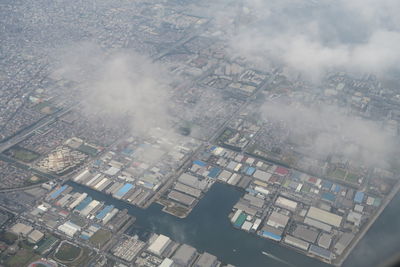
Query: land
x,y
318,205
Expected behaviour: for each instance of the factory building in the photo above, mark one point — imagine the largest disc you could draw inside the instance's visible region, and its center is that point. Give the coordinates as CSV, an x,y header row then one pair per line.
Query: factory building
x,y
286,203
271,233
343,242
192,181
82,176
159,245
206,260
69,228
181,198
277,220
324,216
298,243
77,201
35,236
320,252
317,224
184,256
188,190
325,240
305,233
167,262
262,175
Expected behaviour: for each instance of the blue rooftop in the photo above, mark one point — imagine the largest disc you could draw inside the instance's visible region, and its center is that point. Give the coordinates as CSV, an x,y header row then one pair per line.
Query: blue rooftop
x,y
250,171
123,190
337,189
200,163
127,151
84,203
328,196
214,172
104,212
58,192
327,185
271,235
358,198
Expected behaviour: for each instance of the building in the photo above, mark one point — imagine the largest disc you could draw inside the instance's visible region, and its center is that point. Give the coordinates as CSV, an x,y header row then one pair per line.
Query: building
x,y
181,198
277,220
305,234
159,245
262,175
343,242
286,203
206,260
69,228
184,255
166,263
298,243
21,229
325,240
35,236
320,252
324,216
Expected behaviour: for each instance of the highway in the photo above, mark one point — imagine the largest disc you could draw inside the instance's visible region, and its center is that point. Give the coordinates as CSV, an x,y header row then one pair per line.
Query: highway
x,y
31,129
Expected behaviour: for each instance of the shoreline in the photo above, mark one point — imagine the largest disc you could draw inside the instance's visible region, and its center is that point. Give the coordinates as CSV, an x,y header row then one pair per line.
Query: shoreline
x,y
366,227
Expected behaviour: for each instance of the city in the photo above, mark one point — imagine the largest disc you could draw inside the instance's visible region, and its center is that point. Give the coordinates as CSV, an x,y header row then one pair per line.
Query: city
x,y
132,135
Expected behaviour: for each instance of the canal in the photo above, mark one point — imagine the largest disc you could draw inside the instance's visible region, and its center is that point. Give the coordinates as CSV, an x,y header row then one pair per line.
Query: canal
x,y
207,228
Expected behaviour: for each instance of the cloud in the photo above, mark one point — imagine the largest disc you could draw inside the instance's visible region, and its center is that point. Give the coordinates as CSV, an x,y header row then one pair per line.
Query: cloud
x,y
312,37
323,130
120,84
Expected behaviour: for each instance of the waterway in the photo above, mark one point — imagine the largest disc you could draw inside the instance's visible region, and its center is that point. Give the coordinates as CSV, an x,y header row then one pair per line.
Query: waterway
x,y
207,228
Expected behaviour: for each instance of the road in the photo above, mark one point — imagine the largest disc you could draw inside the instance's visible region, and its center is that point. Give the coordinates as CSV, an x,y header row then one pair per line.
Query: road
x,y
28,132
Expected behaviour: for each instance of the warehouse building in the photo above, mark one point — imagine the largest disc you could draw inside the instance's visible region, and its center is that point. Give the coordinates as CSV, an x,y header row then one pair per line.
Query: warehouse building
x,y
295,242
206,260
262,175
181,198
184,256
35,236
192,181
317,224
167,262
224,175
159,245
271,233
343,242
254,201
194,192
286,203
320,252
305,233
277,220
69,228
324,216
325,240
82,176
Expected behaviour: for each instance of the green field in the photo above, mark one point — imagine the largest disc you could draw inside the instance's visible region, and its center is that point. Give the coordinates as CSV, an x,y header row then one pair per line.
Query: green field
x,y
100,237
338,174
8,238
46,244
352,178
89,150
68,252
22,154
45,108
21,258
